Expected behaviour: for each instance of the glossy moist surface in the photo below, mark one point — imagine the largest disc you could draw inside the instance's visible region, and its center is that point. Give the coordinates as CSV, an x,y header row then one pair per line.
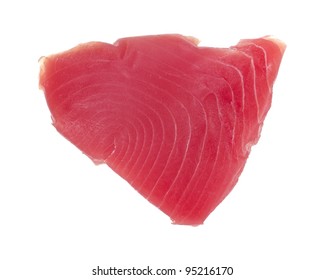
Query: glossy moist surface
x,y
175,120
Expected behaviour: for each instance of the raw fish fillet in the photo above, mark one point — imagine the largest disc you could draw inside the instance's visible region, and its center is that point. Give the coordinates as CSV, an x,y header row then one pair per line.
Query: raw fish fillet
x,y
175,120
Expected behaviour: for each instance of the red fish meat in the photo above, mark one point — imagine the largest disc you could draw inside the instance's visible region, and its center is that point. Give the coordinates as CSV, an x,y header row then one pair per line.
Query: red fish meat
x,y
174,119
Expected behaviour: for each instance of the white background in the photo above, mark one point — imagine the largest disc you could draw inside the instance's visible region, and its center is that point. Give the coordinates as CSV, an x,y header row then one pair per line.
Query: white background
x,y
61,216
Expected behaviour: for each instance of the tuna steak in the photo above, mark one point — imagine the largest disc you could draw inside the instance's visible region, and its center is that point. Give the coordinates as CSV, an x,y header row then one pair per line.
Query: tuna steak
x,y
176,120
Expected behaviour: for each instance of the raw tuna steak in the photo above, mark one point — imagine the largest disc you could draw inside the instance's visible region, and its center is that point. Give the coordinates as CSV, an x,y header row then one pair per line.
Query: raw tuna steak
x,y
175,120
